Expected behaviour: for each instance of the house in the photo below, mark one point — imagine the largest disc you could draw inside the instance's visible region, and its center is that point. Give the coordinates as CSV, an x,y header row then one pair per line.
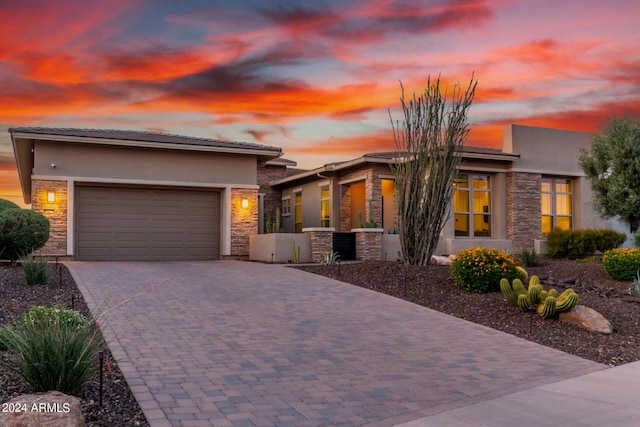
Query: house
x,y
504,198
126,195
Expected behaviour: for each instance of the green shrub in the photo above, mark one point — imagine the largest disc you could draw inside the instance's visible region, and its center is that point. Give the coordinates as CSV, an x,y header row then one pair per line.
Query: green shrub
x,y
529,258
52,349
480,269
582,243
609,239
558,242
621,264
22,231
329,258
7,204
636,239
36,270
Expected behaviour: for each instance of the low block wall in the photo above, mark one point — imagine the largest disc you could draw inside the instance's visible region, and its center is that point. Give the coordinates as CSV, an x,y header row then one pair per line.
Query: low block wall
x,y
278,247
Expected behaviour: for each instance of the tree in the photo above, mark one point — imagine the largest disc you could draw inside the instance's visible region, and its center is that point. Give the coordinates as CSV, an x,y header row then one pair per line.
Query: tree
x,y
612,167
429,146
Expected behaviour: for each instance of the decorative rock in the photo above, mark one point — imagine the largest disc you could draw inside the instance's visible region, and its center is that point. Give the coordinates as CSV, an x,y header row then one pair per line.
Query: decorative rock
x,y
440,260
588,319
52,409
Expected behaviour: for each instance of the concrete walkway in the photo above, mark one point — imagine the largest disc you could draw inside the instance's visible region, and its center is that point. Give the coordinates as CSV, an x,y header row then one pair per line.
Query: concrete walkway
x,y
232,343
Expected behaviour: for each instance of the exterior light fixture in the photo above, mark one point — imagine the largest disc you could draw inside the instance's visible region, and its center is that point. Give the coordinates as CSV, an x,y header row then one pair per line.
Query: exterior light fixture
x,y
245,203
51,196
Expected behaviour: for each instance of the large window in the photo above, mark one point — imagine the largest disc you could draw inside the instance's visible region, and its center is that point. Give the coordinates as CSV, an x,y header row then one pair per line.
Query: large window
x,y
325,206
297,206
556,200
472,205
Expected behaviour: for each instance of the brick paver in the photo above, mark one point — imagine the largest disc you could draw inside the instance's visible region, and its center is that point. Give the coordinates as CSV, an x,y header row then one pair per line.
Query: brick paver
x,y
231,343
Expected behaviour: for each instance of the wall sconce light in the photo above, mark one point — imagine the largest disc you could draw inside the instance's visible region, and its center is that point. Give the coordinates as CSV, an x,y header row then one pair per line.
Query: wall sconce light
x,y
51,196
244,203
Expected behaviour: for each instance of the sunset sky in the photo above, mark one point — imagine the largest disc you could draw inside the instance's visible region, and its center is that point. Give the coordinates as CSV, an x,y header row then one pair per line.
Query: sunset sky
x,y
317,78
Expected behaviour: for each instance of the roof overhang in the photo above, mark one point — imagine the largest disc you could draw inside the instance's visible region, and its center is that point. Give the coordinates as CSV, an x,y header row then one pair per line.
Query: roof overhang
x,y
23,152
23,143
332,168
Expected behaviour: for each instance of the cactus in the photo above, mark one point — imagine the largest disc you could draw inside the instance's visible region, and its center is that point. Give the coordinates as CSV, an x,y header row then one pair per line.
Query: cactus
x,y
546,303
522,273
543,295
296,252
534,294
371,223
523,302
276,226
548,308
508,291
518,287
566,301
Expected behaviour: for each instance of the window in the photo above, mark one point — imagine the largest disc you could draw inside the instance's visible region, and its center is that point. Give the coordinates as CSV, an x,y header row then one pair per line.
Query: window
x,y
286,206
325,206
297,206
556,204
472,206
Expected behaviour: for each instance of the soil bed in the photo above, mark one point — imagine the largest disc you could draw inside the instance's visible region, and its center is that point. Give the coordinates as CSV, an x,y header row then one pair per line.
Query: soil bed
x,y
432,286
119,407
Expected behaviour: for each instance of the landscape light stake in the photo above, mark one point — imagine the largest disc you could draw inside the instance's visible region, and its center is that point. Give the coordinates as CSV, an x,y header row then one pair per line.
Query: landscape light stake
x,y
531,309
101,359
73,301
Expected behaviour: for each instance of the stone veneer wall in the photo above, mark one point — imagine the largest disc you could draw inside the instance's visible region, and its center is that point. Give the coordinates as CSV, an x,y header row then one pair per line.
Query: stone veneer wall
x,y
373,193
345,208
272,196
523,209
320,241
369,244
56,213
244,222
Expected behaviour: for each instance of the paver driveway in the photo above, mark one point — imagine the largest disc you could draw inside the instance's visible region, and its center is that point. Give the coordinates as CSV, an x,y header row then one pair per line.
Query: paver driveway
x,y
231,343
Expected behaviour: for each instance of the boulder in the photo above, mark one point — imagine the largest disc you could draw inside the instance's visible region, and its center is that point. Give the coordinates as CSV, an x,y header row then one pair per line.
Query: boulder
x,y
52,409
440,260
588,319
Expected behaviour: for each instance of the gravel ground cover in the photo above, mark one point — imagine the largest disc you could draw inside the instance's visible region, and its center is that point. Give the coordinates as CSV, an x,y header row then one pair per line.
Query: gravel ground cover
x,y
432,286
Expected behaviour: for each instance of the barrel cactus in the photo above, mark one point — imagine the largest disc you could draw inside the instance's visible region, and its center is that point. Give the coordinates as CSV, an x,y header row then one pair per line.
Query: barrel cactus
x,y
546,303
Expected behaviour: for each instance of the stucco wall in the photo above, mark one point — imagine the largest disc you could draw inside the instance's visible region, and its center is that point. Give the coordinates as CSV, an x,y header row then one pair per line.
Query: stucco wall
x,y
108,162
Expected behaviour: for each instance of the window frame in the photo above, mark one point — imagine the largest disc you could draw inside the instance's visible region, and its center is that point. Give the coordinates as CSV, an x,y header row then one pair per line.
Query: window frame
x,y
470,214
325,221
553,193
297,208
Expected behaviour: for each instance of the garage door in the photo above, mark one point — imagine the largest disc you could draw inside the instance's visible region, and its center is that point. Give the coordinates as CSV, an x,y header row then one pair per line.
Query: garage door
x,y
146,224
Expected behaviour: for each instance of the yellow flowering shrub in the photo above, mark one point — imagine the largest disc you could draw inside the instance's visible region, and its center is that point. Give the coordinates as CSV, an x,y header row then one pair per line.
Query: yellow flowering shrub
x,y
621,264
480,269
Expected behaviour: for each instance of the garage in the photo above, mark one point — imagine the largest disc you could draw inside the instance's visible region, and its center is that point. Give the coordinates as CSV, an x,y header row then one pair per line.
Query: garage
x,y
146,223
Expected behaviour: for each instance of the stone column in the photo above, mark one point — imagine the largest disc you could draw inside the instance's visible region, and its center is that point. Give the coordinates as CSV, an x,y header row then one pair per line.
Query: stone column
x,y
244,221
523,210
368,244
55,211
320,240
